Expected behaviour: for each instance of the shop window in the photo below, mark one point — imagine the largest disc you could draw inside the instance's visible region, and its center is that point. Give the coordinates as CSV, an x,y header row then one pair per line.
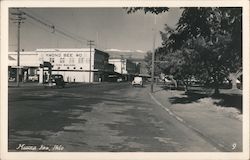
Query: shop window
x,y
31,71
71,60
87,60
80,60
62,60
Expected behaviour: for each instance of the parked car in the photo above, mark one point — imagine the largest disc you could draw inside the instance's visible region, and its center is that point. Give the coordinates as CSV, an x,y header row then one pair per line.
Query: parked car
x,y
119,79
138,81
56,81
33,78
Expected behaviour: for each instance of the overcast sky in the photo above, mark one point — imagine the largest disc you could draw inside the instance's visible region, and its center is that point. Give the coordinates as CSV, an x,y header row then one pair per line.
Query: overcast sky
x,y
110,28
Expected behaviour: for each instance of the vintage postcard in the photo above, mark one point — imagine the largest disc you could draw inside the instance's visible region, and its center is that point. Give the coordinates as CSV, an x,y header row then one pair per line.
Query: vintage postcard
x,y
124,79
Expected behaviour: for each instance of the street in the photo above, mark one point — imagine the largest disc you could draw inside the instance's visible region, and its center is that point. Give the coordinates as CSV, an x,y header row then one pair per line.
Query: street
x,y
113,117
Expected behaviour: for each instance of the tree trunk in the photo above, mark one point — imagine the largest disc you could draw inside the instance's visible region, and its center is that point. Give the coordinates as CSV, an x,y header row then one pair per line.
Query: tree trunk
x,y
234,84
175,82
185,86
216,88
233,77
216,91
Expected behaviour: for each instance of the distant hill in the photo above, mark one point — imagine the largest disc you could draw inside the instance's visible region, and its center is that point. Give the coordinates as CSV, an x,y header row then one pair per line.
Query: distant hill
x,y
134,55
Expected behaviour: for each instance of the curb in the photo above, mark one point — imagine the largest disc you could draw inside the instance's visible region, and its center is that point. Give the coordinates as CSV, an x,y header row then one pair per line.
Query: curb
x,y
215,143
166,109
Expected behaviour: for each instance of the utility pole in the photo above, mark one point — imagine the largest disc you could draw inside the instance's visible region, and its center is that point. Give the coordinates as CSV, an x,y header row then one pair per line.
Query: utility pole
x,y
153,57
19,19
122,63
97,40
90,44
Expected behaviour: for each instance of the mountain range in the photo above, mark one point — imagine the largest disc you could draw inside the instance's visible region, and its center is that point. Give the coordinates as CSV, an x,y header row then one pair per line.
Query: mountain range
x,y
116,53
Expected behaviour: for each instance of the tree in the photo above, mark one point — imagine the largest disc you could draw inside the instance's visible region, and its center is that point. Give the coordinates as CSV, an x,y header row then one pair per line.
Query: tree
x,y
207,40
148,60
178,64
154,10
214,36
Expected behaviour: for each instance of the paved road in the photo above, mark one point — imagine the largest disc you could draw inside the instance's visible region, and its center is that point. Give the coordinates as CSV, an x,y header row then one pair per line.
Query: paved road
x,y
110,117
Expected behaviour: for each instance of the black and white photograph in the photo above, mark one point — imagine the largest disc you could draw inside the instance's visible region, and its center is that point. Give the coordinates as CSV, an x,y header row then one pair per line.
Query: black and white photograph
x,y
125,79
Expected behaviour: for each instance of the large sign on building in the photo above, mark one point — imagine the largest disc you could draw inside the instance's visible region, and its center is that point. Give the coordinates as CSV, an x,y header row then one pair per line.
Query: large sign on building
x,y
76,65
68,59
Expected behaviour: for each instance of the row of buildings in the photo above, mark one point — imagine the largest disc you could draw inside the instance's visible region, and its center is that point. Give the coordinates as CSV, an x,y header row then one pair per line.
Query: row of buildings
x,y
76,65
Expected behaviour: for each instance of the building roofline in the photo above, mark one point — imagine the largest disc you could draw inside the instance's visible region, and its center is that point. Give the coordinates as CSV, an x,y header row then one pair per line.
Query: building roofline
x,y
103,52
23,53
62,49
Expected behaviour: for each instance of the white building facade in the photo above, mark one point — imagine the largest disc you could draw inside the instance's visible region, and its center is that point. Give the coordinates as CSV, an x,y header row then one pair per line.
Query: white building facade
x,y
29,65
124,67
76,65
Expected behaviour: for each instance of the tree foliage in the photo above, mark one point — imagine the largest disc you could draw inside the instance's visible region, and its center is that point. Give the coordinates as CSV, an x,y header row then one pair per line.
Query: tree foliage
x,y
148,59
206,44
155,10
215,34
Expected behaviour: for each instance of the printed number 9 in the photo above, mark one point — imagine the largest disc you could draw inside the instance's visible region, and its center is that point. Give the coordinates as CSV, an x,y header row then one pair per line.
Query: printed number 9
x,y
234,146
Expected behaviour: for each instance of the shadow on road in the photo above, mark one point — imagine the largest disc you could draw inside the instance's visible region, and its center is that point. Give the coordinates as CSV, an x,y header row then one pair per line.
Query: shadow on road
x,y
35,114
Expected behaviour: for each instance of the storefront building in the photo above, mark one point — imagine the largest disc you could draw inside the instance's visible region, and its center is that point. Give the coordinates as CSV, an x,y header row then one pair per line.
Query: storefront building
x,y
124,67
76,65
29,66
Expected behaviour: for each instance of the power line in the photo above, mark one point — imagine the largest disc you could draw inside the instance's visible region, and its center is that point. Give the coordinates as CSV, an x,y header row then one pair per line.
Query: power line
x,y
55,34
56,29
52,27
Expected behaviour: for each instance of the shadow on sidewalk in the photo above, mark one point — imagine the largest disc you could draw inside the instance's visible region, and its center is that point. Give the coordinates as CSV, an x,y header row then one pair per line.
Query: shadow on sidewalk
x,y
194,94
187,98
230,100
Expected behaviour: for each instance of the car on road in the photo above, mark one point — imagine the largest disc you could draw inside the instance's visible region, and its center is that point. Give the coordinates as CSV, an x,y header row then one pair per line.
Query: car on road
x,y
56,81
138,81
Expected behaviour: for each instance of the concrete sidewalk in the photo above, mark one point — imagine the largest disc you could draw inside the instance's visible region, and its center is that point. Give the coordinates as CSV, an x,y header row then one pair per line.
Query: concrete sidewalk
x,y
219,125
